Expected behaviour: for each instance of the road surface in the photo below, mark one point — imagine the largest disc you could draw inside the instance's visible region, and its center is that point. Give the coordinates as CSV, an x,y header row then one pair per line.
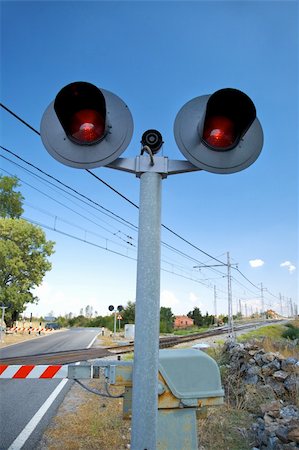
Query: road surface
x,y
28,405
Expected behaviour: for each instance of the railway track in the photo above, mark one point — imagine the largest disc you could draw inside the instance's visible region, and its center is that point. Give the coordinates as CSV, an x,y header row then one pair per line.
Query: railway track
x,y
72,356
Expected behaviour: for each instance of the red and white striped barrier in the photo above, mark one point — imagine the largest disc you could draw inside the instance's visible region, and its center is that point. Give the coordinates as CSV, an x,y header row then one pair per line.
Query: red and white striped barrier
x,y
30,329
40,371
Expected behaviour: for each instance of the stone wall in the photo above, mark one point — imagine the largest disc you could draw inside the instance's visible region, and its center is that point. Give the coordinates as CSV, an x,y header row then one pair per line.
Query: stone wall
x,y
267,385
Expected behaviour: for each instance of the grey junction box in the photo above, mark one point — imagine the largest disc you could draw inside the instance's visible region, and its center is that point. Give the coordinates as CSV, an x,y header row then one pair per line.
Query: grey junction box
x,y
188,382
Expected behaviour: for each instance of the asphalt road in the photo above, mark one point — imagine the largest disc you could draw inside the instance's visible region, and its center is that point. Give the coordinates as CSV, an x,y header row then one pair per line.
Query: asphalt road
x,y
27,405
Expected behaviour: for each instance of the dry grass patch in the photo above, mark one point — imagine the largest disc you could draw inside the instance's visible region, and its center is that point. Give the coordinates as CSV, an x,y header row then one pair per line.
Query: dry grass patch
x,y
86,421
225,428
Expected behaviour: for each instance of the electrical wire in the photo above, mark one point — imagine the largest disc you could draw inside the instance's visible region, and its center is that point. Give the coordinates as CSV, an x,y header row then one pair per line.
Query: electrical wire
x,y
69,187
118,193
106,394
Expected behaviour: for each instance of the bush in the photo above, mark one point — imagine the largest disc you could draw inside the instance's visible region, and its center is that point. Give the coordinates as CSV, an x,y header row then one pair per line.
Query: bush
x,y
291,333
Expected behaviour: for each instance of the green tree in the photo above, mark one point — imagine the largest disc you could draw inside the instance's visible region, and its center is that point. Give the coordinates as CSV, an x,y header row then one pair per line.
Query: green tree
x,y
196,316
11,201
128,313
166,320
23,263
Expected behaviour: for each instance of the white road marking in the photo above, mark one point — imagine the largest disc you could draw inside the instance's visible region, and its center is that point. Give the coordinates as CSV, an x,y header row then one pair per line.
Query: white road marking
x,y
92,341
32,424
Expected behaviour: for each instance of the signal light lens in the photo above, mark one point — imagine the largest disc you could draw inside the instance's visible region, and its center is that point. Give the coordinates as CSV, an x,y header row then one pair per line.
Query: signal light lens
x,y
219,132
87,126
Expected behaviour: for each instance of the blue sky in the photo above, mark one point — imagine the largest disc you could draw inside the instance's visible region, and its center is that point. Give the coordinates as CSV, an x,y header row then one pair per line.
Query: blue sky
x,y
157,56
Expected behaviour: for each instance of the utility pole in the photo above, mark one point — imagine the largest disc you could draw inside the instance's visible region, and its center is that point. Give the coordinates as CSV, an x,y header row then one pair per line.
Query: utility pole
x,y
291,308
229,298
215,301
2,321
262,301
229,291
280,303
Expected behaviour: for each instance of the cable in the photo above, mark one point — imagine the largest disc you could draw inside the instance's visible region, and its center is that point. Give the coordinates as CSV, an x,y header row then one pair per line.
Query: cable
x,y
19,118
112,188
94,391
77,238
237,269
70,209
170,247
68,187
118,193
133,227
121,195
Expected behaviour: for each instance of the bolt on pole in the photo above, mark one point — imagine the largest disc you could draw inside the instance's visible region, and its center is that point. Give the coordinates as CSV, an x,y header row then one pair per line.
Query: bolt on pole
x,y
147,316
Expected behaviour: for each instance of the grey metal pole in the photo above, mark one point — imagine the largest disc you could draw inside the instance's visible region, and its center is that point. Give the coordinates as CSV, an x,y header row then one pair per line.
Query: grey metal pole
x,y
114,333
147,316
2,321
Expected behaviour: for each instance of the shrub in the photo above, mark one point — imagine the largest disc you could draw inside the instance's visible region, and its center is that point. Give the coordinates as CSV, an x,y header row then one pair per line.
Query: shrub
x,y
291,332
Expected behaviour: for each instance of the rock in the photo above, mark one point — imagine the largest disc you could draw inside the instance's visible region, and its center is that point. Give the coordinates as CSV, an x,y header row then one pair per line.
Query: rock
x,y
291,383
271,406
278,387
282,434
289,364
268,419
280,375
270,368
289,412
268,357
251,379
293,435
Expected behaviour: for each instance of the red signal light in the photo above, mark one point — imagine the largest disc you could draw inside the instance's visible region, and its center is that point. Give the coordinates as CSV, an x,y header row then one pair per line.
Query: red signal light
x,y
87,126
81,110
219,132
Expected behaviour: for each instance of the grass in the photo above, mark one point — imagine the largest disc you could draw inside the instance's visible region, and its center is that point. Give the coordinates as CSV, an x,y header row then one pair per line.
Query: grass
x,y
269,331
275,338
190,331
225,428
86,421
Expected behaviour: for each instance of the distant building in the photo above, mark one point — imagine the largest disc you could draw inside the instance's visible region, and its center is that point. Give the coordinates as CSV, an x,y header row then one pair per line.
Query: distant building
x,y
270,314
183,322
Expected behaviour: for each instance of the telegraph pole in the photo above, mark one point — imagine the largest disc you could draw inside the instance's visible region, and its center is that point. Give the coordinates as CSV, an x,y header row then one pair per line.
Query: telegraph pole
x,y
262,301
215,301
2,321
229,298
280,302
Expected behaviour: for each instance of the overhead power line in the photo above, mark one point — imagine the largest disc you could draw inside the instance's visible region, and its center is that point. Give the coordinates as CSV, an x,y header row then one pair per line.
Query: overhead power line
x,y
115,191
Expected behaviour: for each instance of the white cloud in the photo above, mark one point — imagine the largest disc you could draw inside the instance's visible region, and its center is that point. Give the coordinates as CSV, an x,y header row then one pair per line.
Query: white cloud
x,y
168,299
193,298
291,268
256,262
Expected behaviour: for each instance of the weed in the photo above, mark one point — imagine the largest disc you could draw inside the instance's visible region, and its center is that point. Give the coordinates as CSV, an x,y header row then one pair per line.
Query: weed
x,y
211,429
291,333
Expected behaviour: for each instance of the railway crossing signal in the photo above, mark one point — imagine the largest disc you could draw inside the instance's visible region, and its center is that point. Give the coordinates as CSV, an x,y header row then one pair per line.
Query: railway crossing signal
x,y
220,132
89,127
86,127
